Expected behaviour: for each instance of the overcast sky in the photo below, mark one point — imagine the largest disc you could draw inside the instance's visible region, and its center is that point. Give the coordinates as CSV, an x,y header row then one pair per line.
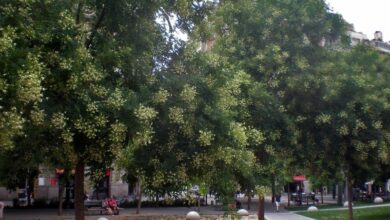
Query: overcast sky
x,y
367,16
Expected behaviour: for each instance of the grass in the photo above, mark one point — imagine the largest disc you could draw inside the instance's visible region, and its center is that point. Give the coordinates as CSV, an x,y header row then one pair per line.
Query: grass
x,y
370,202
378,213
304,207
331,206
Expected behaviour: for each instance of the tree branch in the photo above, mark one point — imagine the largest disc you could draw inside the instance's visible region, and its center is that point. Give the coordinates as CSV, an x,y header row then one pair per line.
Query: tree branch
x,y
166,16
88,42
171,30
44,8
79,7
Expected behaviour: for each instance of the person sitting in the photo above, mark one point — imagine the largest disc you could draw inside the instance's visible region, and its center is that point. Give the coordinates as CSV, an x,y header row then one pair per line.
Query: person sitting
x,y
111,206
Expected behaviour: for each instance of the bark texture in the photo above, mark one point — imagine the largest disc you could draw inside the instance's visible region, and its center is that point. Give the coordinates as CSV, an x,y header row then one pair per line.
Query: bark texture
x,y
79,190
260,214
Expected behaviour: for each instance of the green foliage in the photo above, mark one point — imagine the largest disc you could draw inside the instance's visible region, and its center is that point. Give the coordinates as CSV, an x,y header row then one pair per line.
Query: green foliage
x,y
262,191
357,105
106,81
371,213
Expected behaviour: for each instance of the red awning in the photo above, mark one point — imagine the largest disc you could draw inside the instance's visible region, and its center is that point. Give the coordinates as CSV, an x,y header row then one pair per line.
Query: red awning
x,y
299,178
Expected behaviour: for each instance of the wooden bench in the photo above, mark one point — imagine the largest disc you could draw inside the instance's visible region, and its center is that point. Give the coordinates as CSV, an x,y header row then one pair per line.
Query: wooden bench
x,y
96,211
96,207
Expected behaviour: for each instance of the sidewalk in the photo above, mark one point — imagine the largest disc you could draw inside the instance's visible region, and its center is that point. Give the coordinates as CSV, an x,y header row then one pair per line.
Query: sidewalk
x,y
285,216
171,212
129,214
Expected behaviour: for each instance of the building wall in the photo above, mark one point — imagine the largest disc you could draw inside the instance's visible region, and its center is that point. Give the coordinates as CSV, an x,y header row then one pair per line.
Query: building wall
x,y
357,37
307,186
119,188
46,186
7,195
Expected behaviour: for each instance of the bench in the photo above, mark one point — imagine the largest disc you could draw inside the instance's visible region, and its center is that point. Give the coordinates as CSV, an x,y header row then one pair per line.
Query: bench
x,y
95,211
96,207
311,197
299,199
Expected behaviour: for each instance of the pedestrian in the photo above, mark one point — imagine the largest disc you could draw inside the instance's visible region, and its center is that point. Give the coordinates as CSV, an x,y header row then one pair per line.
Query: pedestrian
x,y
277,201
111,206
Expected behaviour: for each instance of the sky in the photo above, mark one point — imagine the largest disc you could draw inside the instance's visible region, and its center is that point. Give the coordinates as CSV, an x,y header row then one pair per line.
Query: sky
x,y
367,16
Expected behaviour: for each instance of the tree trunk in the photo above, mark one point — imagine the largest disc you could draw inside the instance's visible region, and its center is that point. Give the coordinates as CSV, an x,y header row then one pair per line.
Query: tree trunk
x,y
28,191
198,202
288,195
322,195
139,197
249,201
350,210
339,194
260,214
96,192
27,188
157,200
67,195
79,190
139,202
60,193
273,189
109,184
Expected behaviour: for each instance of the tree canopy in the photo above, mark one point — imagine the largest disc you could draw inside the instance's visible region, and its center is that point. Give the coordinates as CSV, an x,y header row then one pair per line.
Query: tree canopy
x,y
275,87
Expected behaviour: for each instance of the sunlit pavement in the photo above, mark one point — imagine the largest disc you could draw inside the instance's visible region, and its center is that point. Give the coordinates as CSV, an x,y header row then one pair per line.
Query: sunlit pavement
x,y
174,212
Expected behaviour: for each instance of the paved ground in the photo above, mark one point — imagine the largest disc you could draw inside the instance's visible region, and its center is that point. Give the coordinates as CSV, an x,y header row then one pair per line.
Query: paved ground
x,y
286,216
173,213
176,213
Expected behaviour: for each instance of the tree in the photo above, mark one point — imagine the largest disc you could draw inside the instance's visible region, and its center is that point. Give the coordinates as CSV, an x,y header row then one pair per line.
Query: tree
x,y
21,77
355,103
194,139
85,60
20,89
278,43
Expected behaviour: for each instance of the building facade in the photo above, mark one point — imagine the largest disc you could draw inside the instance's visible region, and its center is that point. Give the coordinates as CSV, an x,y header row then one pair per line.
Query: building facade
x,y
46,187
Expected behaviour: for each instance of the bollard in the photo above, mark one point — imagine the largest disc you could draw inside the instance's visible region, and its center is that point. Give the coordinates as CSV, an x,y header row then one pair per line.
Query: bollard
x,y
378,200
1,210
192,216
102,218
244,214
312,209
346,204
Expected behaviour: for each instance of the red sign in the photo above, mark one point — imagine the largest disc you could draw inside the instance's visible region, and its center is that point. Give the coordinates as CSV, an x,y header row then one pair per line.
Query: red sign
x,y
108,172
53,181
299,178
